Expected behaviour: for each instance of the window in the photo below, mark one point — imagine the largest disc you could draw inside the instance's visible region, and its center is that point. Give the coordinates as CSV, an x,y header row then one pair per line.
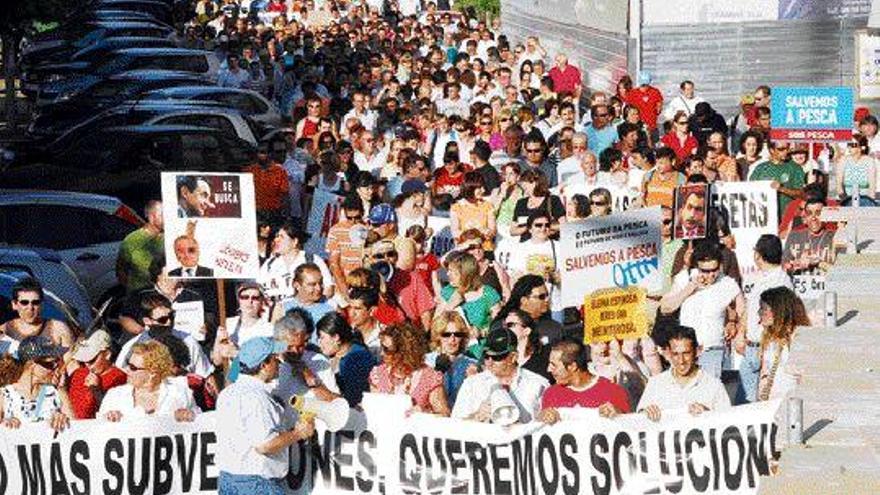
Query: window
x,y
202,120
39,226
109,89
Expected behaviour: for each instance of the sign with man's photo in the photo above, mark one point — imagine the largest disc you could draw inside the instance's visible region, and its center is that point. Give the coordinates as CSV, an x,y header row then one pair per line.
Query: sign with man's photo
x,y
210,225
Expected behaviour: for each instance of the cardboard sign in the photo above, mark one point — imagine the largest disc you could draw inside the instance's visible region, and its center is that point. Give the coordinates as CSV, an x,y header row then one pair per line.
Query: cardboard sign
x,y
809,287
752,212
189,317
619,250
210,225
810,114
611,314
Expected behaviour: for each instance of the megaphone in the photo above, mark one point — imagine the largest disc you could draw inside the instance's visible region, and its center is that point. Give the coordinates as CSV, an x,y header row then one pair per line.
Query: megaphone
x,y
505,412
334,413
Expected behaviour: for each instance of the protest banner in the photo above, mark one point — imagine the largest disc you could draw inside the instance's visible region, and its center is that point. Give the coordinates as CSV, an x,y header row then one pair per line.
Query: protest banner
x,y
322,216
751,212
620,250
691,205
867,56
622,198
611,314
811,114
383,450
809,287
210,225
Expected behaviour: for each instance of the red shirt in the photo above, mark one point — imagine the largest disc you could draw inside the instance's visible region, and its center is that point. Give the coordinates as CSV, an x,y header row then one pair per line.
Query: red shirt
x,y
649,101
601,392
270,186
83,402
565,81
682,151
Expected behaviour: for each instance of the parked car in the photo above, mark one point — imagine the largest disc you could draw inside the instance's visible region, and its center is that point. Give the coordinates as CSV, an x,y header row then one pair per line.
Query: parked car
x,y
85,231
52,273
159,10
34,77
53,307
248,102
70,77
43,145
65,42
125,161
96,95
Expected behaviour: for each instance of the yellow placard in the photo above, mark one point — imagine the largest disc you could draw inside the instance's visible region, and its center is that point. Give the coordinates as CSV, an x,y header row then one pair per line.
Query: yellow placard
x,y
615,314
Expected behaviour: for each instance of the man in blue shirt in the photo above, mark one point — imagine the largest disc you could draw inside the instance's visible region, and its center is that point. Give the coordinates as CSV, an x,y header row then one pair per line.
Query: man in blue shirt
x,y
600,134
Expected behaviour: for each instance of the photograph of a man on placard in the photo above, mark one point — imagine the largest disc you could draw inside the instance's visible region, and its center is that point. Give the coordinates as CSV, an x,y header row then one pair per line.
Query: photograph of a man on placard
x,y
186,250
691,205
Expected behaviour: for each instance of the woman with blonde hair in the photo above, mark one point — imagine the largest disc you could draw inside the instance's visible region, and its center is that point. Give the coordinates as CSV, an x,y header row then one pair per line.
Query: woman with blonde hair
x,y
29,393
479,302
781,312
450,335
152,389
404,372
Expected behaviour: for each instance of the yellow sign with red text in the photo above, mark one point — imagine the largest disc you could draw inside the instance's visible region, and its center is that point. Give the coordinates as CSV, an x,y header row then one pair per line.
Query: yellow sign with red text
x,y
611,314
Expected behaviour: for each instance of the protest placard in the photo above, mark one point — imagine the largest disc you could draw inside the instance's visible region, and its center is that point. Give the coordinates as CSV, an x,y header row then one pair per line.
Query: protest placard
x,y
441,241
611,314
809,287
620,250
691,206
622,198
751,212
385,451
811,114
210,225
189,317
322,216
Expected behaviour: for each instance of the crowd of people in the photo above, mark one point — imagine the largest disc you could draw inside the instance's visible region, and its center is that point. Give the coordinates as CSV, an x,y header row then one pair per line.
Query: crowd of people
x,y
408,111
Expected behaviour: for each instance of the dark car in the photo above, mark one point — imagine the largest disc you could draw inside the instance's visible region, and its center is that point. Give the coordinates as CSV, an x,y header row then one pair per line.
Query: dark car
x,y
32,78
97,95
249,103
67,43
74,76
126,161
160,10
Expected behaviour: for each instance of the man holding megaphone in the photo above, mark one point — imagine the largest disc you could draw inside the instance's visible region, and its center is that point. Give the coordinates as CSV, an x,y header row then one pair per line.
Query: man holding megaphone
x,y
255,435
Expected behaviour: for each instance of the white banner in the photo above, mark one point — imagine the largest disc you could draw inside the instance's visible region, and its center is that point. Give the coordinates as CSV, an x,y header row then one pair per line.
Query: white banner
x,y
751,210
441,241
210,225
659,12
322,216
619,250
385,451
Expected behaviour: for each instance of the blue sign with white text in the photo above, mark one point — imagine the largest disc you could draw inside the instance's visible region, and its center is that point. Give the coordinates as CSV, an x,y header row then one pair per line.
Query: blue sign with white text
x,y
811,113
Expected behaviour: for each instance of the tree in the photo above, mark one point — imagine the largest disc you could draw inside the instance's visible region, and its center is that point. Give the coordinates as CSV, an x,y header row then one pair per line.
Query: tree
x,y
486,8
19,18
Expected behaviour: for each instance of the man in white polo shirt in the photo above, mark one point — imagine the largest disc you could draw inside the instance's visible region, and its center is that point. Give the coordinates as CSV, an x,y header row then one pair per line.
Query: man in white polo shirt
x,y
255,437
684,386
705,297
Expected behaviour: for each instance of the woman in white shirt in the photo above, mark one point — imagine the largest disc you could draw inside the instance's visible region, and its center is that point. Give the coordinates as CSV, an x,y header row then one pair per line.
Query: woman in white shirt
x,y
276,274
781,312
151,390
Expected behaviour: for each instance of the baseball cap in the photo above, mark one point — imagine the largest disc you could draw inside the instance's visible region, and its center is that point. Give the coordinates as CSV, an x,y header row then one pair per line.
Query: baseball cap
x,y
250,284
861,113
747,99
254,351
87,349
37,346
500,341
382,214
413,186
645,78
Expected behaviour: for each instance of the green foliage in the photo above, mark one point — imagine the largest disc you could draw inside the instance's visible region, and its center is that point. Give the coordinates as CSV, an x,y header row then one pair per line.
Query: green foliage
x,y
19,16
489,8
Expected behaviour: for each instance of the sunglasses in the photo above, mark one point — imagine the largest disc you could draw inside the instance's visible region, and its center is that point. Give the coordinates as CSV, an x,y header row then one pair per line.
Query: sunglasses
x,y
534,150
458,335
598,203
47,363
853,145
250,298
386,255
164,319
682,122
667,221
30,302
498,357
542,296
135,368
511,324
541,225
